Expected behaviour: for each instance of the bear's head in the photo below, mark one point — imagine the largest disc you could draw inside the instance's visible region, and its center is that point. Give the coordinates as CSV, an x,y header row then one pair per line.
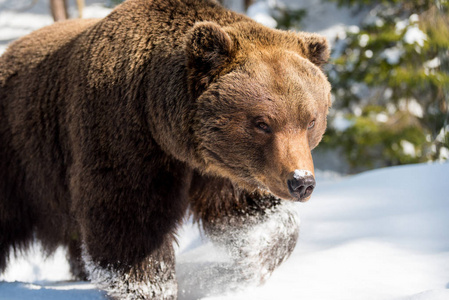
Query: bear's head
x,y
261,103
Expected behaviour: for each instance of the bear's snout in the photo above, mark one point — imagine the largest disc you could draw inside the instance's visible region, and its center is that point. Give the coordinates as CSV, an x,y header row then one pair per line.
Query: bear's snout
x,y
301,184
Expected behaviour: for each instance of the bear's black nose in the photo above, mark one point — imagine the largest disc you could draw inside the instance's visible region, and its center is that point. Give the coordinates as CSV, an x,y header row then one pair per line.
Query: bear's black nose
x,y
301,184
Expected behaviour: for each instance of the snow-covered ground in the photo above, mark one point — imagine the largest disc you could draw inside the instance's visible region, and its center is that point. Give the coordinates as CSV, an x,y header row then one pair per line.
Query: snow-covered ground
x,y
383,234
20,17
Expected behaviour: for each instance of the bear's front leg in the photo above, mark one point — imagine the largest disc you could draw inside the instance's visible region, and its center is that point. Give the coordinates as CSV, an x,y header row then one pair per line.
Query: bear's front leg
x,y
259,231
153,278
128,219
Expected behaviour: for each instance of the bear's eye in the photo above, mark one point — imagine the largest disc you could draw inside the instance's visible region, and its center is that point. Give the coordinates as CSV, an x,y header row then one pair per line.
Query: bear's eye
x,y
311,124
263,126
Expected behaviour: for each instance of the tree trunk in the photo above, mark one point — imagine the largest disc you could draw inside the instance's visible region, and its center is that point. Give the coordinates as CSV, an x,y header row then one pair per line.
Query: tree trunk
x,y
248,3
80,4
59,10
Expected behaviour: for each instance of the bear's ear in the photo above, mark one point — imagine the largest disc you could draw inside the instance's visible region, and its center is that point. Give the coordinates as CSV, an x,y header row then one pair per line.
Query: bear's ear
x,y
209,49
316,47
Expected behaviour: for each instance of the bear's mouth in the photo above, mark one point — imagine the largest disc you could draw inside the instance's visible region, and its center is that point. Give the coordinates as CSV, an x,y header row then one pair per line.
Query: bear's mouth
x,y
281,195
244,179
273,190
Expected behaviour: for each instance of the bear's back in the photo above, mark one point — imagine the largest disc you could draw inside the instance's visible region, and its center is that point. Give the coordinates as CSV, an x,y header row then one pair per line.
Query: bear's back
x,y
39,45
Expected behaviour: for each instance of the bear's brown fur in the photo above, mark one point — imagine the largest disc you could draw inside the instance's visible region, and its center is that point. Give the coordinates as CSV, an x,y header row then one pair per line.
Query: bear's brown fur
x,y
110,129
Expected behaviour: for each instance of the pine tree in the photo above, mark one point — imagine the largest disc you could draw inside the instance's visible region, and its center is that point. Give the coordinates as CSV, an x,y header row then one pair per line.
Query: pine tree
x,y
391,84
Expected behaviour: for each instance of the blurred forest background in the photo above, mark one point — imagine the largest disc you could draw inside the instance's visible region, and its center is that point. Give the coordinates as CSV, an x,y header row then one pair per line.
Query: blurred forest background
x,y
389,71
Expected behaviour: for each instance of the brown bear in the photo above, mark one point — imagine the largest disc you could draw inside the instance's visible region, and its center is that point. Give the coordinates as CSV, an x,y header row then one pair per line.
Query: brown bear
x,y
111,130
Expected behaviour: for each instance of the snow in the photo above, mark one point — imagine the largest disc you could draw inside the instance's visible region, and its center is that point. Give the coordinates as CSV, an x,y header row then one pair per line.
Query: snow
x,y
301,173
31,266
393,55
50,291
415,35
382,117
363,40
408,148
411,105
415,108
414,18
354,29
326,18
444,154
442,134
433,63
340,123
369,53
260,11
382,234
401,25
16,22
